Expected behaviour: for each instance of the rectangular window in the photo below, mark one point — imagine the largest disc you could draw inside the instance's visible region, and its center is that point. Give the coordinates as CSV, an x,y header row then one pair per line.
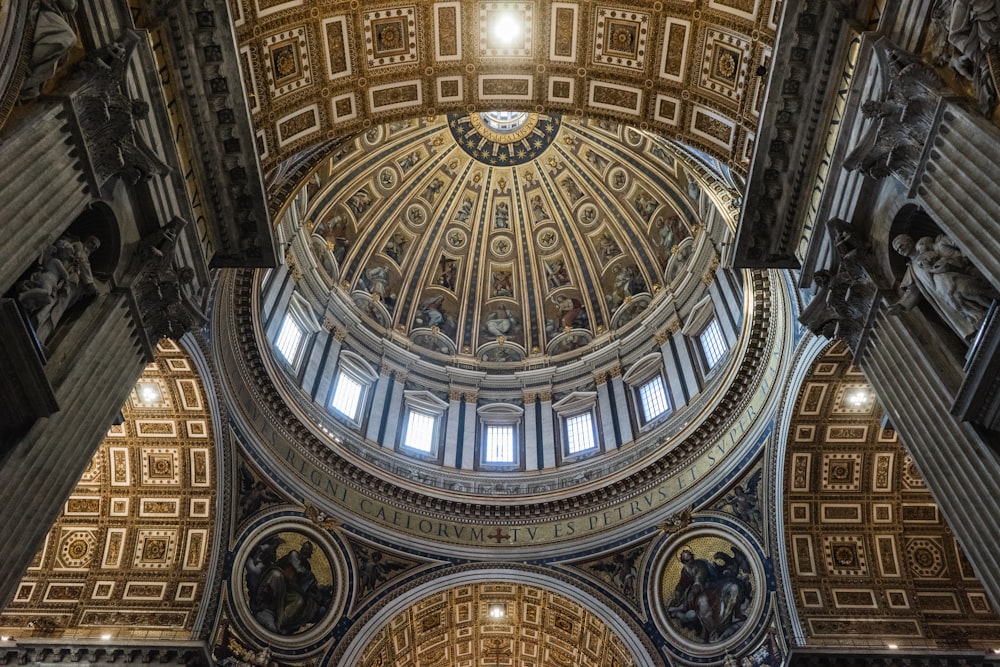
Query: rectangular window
x,y
499,444
347,396
289,341
713,344
419,431
653,396
580,433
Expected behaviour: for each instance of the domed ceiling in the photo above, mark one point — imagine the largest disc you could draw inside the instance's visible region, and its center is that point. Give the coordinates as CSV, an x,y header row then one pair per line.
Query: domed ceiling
x,y
504,235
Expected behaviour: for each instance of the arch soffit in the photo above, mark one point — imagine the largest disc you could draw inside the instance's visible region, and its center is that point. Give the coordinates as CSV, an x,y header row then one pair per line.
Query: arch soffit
x,y
379,619
688,72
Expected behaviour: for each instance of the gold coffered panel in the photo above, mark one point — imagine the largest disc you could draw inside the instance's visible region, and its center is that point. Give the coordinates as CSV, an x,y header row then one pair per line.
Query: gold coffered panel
x,y
684,69
870,556
129,554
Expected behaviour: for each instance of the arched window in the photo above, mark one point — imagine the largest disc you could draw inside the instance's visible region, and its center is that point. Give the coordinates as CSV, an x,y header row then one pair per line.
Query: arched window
x,y
501,435
297,325
652,398
352,386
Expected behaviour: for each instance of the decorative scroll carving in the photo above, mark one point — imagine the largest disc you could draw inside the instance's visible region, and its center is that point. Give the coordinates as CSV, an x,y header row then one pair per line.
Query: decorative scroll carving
x,y
847,290
770,216
675,523
901,119
108,116
53,38
165,307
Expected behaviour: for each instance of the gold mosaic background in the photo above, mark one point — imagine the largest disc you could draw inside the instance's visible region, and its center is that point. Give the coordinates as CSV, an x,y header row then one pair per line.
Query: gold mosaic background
x,y
128,554
871,557
685,69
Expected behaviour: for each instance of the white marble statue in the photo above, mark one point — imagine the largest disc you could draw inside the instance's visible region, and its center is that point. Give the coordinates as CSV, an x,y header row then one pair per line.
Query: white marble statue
x,y
940,273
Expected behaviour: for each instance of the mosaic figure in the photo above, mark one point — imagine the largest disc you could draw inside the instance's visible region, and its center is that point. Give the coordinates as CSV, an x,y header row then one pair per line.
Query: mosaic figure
x,y
538,208
502,283
644,205
556,273
501,216
571,189
360,202
710,598
286,594
432,190
395,247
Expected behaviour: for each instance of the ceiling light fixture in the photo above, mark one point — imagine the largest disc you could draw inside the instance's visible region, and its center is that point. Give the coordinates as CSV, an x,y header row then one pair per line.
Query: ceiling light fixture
x,y
506,29
149,392
106,637
894,646
858,397
497,611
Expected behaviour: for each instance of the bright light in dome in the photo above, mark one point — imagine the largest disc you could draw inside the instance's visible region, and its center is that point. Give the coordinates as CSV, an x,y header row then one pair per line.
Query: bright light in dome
x,y
105,637
505,121
496,611
858,397
149,393
506,29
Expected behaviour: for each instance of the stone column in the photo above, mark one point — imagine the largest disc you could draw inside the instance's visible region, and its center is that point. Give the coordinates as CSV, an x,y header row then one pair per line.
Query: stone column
x,y
530,433
321,385
959,187
724,302
916,379
468,453
451,433
680,388
315,362
44,186
605,414
621,406
378,405
548,431
94,369
391,433
276,302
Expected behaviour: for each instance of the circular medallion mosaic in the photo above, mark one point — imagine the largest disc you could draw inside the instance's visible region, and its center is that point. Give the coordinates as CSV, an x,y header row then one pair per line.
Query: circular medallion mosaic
x,y
288,583
711,588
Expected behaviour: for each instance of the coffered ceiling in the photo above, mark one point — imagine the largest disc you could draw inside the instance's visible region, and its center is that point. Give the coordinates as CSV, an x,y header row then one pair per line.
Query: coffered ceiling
x,y
871,557
496,624
685,69
129,555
